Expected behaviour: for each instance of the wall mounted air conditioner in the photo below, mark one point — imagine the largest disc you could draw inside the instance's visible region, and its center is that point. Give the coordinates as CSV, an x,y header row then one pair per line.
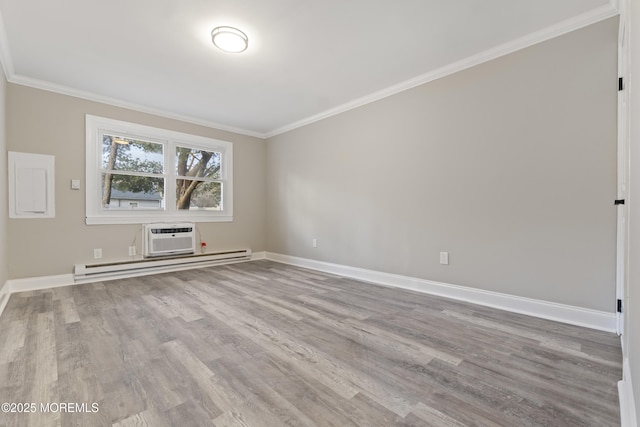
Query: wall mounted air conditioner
x,y
169,239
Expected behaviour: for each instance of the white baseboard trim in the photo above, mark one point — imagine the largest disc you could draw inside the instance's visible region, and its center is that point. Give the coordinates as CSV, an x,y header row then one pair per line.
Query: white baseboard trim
x,y
4,297
547,310
99,272
38,283
32,284
48,282
625,394
579,316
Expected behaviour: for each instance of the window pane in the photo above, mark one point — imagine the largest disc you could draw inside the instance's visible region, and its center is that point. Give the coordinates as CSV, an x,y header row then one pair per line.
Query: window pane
x,y
197,163
198,195
132,192
119,153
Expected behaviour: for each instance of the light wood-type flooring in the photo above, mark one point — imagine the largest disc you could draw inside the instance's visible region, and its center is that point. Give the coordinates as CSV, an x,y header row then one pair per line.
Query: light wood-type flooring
x,y
266,344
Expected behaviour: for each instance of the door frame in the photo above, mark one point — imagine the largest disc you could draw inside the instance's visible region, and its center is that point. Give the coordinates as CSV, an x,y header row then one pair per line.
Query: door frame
x,y
623,142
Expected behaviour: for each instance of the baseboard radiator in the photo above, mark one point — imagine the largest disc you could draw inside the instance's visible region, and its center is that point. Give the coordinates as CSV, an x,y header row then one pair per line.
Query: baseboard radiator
x,y
85,273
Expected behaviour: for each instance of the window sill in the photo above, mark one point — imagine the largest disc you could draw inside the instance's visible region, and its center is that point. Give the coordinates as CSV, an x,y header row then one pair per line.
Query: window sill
x,y
146,219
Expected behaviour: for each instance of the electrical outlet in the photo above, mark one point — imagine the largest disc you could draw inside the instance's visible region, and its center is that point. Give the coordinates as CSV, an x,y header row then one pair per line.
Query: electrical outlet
x,y
444,258
132,250
97,253
314,243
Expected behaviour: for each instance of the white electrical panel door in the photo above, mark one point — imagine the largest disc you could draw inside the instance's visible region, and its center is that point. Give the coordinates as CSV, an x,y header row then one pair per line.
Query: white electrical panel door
x,y
31,185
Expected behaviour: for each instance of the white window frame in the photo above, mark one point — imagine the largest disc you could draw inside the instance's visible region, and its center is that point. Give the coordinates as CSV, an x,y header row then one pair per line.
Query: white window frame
x,y
96,214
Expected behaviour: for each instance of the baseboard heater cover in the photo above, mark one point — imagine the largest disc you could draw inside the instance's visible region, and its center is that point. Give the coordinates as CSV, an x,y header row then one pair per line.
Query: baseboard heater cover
x,y
138,267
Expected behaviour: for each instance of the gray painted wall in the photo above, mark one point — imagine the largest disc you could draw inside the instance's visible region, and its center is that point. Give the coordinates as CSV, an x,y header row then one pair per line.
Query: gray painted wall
x,y
509,166
48,123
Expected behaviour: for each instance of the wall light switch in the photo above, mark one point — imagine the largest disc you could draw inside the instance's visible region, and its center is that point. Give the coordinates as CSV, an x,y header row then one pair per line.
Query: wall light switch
x,y
75,184
444,258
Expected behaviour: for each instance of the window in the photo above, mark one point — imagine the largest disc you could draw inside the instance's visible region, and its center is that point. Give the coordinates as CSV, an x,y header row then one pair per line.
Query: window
x,y
138,174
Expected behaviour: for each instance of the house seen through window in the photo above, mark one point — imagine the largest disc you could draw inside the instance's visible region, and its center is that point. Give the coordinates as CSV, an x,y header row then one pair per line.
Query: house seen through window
x,y
147,174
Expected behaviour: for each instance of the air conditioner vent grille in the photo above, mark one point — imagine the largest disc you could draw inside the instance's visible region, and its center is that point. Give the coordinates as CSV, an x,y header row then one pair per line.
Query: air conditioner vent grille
x,y
169,239
171,230
176,244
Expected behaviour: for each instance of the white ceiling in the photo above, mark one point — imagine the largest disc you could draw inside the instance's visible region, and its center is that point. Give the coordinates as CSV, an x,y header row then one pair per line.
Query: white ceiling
x,y
306,60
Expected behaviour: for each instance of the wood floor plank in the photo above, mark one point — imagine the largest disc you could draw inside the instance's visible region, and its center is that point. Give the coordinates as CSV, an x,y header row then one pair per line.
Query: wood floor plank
x,y
224,397
68,309
317,401
247,378
187,414
13,340
304,359
432,416
146,418
267,344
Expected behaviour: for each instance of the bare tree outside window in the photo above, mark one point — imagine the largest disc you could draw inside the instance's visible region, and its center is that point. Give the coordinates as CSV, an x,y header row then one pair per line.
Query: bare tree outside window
x,y
141,174
195,186
131,166
136,168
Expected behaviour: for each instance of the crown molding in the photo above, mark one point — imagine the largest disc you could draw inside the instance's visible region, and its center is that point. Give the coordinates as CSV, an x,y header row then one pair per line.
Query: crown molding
x,y
564,27
6,63
5,53
606,11
616,4
90,96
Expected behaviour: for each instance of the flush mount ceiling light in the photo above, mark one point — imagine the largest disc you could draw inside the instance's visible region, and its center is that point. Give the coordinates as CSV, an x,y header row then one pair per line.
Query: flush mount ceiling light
x,y
229,39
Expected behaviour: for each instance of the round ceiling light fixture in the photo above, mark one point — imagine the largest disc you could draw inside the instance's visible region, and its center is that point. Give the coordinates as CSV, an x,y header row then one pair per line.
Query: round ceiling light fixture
x,y
229,39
